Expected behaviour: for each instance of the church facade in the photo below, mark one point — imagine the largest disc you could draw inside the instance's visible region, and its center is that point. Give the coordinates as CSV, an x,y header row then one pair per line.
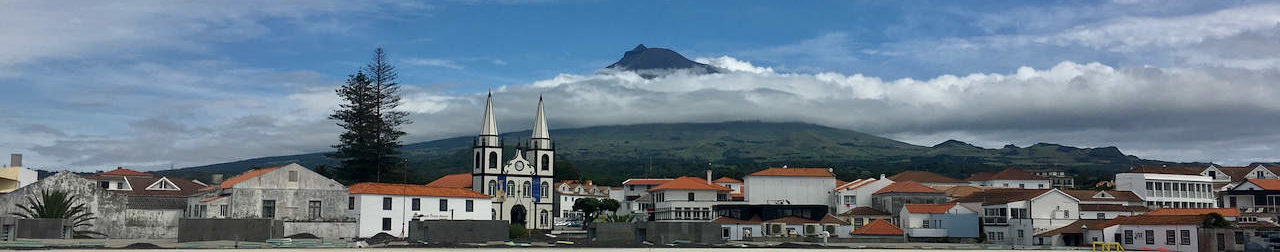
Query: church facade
x,y
522,185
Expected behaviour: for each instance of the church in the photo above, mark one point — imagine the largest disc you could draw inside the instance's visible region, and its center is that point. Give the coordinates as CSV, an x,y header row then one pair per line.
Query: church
x,y
522,185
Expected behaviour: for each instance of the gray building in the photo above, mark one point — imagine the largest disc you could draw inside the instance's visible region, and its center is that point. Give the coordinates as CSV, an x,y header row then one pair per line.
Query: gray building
x,y
890,199
117,215
290,193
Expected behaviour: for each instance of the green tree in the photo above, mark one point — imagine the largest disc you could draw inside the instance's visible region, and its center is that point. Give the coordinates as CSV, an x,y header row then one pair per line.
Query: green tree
x,y
59,205
610,205
589,208
367,149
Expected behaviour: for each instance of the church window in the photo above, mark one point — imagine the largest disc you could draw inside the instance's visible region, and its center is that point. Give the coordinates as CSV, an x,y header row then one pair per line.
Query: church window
x,y
544,190
493,160
691,196
543,218
493,187
526,189
511,190
478,161
546,162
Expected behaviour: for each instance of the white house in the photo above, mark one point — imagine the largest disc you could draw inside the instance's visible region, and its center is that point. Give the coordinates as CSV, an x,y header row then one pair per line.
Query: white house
x,y
737,229
632,192
1010,178
15,176
856,194
1108,204
1171,233
1013,216
385,208
732,184
686,199
793,186
1169,187
569,191
938,222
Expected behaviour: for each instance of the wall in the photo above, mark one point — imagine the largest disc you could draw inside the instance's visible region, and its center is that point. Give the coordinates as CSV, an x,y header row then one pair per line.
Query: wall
x,y
797,190
1024,184
696,232
229,229
108,207
613,233
1052,210
703,201
291,197
1139,241
151,223
371,212
41,229
458,231
324,230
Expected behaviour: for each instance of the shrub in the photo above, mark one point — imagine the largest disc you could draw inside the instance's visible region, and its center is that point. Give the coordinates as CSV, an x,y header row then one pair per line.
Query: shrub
x,y
517,231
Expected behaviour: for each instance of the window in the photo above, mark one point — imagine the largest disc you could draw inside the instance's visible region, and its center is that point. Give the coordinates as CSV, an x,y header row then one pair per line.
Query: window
x,y
120,185
1222,241
386,203
444,205
724,232
222,210
1128,237
544,218
1066,214
851,199
104,184
386,224
313,209
1260,175
351,203
1240,235
1233,201
1116,237
690,196
471,206
545,191
546,162
477,160
493,187
268,209
293,176
1022,185
857,223
511,191
526,191
416,204
1151,236
1102,216
925,224
493,160
1021,234
1213,174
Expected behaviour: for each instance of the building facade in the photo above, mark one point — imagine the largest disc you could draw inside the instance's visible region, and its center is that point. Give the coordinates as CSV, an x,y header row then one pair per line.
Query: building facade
x,y
686,199
15,176
1010,178
388,208
1164,190
569,191
856,194
796,186
1013,216
1057,178
939,222
290,192
522,185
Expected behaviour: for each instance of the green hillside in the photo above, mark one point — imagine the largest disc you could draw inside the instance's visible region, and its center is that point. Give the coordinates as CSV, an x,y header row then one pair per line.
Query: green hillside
x,y
610,154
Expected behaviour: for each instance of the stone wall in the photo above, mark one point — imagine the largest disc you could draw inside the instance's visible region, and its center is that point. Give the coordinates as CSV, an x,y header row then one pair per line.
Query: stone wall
x,y
42,229
616,233
458,231
324,230
108,207
151,223
229,229
696,232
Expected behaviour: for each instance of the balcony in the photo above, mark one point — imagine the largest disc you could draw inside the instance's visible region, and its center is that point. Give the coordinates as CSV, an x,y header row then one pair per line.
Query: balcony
x,y
995,221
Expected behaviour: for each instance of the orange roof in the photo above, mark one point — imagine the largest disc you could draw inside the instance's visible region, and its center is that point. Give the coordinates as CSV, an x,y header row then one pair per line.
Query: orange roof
x,y
1147,219
246,176
727,180
878,227
460,180
906,187
1266,184
413,190
755,219
645,181
1014,174
795,172
855,184
212,199
929,208
120,171
689,183
1225,212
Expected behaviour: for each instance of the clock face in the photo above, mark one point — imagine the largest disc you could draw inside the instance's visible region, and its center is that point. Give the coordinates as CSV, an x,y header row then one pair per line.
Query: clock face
x,y
519,166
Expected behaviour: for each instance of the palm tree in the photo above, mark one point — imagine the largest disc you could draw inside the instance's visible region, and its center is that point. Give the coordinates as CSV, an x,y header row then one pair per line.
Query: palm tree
x,y
59,205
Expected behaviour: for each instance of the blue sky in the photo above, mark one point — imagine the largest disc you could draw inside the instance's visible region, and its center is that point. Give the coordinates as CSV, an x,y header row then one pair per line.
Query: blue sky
x,y
156,84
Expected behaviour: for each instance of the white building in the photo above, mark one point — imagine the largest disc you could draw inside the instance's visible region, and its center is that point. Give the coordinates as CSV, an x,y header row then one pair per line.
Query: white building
x,y
1171,233
794,186
634,192
1107,204
521,186
732,184
856,194
1013,216
1010,178
939,221
928,179
15,176
686,199
386,208
1169,187
569,191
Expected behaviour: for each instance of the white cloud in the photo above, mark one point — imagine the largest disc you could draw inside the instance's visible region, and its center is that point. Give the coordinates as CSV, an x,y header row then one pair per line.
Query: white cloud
x,y
431,62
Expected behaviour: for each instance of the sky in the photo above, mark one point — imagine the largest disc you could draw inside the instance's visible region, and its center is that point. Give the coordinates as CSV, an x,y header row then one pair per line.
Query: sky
x,y
93,85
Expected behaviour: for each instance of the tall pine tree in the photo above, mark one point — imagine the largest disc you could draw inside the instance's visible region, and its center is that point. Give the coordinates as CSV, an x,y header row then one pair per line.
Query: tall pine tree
x,y
368,148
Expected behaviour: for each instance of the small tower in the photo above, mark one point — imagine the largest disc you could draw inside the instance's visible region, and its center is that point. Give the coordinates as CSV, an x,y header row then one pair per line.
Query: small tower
x,y
486,150
541,151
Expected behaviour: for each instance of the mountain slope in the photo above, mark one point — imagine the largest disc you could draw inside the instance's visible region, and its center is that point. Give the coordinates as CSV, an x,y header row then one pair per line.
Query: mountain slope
x,y
653,62
612,153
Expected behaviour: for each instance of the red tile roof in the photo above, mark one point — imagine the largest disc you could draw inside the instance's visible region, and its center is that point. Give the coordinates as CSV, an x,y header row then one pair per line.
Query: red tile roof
x,y
929,208
212,199
864,211
878,227
906,187
1225,212
795,172
755,219
120,171
855,184
727,180
689,183
793,220
243,176
645,181
1266,184
1113,208
981,176
413,190
1015,174
1148,219
924,177
1185,170
1073,228
1117,196
460,180
996,196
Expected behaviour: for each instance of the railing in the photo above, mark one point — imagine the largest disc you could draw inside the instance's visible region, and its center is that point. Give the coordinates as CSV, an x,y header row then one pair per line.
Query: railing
x,y
995,220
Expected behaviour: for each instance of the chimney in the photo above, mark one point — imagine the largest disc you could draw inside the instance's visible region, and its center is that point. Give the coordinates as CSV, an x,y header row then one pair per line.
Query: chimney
x,y
217,179
882,176
708,176
15,160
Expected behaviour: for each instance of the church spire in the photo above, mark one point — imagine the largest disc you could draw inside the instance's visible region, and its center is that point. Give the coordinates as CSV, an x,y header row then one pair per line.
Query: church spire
x,y
540,123
490,127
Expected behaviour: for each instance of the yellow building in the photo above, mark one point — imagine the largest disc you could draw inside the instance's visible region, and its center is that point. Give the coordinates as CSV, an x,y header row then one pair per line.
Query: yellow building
x,y
15,176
